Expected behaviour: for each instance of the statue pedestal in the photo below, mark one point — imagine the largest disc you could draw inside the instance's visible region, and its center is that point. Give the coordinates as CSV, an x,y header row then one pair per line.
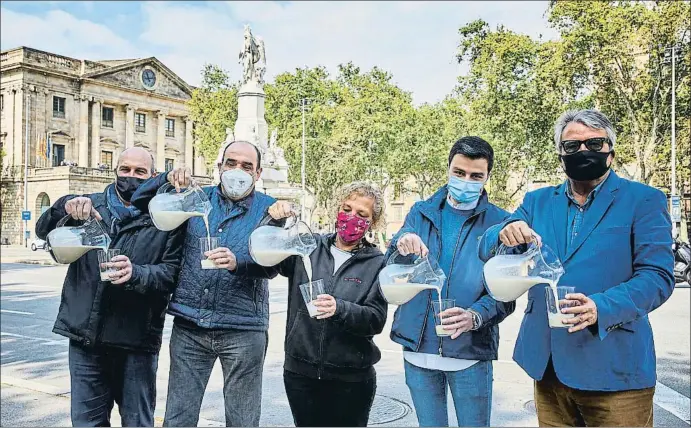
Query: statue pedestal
x,y
251,125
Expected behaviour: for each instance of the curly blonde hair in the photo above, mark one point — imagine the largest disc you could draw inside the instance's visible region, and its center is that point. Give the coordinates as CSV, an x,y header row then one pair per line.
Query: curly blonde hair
x,y
368,190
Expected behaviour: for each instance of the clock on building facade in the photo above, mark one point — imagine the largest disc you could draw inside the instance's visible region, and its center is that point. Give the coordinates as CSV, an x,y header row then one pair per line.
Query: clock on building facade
x,y
149,78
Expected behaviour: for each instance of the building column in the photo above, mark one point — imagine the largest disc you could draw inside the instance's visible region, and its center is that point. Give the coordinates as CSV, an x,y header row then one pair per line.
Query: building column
x,y
129,126
199,166
161,141
83,141
96,132
19,126
189,144
8,96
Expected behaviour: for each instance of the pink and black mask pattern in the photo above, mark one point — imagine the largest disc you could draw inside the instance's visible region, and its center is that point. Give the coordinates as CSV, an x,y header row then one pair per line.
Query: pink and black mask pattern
x,y
351,228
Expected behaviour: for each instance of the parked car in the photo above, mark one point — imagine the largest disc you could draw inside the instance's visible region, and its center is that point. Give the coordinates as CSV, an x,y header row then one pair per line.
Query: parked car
x,y
38,244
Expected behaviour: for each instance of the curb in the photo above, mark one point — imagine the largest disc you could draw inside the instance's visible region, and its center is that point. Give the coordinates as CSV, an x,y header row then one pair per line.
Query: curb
x,y
32,262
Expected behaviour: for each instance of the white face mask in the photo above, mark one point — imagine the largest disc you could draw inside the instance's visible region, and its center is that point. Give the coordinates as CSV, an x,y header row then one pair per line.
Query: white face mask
x,y
236,183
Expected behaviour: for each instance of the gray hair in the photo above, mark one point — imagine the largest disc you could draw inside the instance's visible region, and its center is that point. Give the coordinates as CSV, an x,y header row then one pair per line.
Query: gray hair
x,y
369,190
590,118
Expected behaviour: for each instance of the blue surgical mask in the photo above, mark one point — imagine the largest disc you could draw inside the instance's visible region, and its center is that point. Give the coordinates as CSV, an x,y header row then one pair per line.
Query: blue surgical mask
x,y
465,191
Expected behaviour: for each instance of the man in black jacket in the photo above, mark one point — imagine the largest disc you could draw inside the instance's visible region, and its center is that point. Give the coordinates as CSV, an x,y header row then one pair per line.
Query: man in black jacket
x,y
115,328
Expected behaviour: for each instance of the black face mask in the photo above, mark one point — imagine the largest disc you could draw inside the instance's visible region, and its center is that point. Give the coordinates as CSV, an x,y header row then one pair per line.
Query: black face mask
x,y
126,186
585,165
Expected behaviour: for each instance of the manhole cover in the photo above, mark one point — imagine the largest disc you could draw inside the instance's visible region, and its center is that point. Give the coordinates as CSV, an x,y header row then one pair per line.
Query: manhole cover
x,y
530,406
386,409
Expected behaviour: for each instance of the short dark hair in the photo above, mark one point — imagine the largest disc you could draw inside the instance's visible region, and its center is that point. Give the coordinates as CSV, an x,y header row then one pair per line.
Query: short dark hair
x,y
256,149
473,148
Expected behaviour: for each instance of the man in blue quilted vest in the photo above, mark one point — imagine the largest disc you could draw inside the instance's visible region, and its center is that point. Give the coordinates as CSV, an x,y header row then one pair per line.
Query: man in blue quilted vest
x,y
221,313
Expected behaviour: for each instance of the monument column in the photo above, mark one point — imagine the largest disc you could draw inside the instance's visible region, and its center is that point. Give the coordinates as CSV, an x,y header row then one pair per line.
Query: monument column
x,y
189,143
129,126
8,97
96,132
83,140
161,141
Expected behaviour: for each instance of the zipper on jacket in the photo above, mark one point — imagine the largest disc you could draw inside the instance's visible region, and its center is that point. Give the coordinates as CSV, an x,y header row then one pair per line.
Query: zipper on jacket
x,y
323,329
453,259
333,281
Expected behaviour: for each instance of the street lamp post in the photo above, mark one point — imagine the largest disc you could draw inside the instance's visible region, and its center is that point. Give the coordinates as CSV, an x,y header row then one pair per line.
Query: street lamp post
x,y
26,167
303,103
671,56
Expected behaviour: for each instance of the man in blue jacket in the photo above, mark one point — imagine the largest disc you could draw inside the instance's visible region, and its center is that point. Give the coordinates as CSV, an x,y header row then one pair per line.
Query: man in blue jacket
x,y
221,313
447,227
613,237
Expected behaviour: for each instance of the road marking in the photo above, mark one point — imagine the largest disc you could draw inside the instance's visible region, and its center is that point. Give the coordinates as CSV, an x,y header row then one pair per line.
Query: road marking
x,y
45,341
672,401
7,311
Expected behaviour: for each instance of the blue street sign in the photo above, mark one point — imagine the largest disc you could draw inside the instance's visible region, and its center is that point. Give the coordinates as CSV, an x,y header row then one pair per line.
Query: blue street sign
x,y
26,215
675,208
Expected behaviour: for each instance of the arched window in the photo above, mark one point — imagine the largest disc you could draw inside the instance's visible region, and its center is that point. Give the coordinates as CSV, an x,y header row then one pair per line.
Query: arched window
x,y
42,203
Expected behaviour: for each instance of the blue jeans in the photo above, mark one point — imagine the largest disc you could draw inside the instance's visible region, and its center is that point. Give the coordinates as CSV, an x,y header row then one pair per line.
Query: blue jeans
x,y
193,352
471,390
102,376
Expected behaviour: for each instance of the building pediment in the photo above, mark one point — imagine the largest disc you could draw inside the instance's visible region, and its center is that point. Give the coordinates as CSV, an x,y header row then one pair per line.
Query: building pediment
x,y
147,74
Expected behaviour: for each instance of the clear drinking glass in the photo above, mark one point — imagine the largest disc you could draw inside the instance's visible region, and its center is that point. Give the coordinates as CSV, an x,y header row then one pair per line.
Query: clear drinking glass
x,y
208,244
310,291
439,307
554,315
104,258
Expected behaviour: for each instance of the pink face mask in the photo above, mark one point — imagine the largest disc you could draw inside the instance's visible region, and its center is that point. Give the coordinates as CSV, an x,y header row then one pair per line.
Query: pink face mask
x,y
351,228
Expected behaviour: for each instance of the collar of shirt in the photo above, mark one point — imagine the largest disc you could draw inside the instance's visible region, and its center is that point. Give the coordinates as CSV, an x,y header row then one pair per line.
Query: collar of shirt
x,y
591,195
461,206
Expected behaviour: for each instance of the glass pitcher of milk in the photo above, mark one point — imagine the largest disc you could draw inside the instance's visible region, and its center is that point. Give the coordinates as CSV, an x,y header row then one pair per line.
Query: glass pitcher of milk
x,y
404,277
66,244
270,245
169,209
509,276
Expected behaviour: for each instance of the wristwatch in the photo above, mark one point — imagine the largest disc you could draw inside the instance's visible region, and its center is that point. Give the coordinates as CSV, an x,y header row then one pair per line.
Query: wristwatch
x,y
477,319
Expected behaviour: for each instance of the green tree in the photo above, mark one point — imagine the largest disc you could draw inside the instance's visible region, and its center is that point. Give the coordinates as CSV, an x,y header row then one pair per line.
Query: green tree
x,y
615,51
213,108
514,92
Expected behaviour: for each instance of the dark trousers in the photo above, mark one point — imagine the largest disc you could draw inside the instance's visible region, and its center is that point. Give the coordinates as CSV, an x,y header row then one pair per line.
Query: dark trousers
x,y
100,377
560,405
329,403
193,352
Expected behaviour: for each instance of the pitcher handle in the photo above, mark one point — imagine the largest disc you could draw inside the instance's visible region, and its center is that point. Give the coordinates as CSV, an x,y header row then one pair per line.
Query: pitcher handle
x,y
167,186
63,220
392,257
502,249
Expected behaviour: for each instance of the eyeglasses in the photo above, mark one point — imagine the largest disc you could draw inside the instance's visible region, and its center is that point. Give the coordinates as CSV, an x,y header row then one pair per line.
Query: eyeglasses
x,y
593,144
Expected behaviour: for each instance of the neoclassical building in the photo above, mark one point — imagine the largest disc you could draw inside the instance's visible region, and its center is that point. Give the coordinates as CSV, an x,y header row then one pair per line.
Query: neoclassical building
x,y
65,121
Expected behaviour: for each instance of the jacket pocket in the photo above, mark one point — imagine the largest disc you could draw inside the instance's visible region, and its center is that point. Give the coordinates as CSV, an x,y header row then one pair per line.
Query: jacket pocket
x,y
615,230
529,307
303,340
344,350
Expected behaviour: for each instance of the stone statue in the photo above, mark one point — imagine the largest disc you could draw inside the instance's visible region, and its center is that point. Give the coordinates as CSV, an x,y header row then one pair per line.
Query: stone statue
x,y
229,135
253,58
261,64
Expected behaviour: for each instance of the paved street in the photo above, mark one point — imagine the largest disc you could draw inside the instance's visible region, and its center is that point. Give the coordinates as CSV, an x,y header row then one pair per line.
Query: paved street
x,y
35,377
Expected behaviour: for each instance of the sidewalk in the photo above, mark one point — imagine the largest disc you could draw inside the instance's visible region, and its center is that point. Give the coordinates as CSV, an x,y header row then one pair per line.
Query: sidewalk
x,y
19,254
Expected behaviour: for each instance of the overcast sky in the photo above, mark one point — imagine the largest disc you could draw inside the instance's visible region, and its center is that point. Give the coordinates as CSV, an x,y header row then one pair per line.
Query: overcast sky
x,y
415,41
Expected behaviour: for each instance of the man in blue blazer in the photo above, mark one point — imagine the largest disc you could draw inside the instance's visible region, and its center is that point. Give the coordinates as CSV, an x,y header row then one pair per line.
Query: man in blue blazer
x,y
613,237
